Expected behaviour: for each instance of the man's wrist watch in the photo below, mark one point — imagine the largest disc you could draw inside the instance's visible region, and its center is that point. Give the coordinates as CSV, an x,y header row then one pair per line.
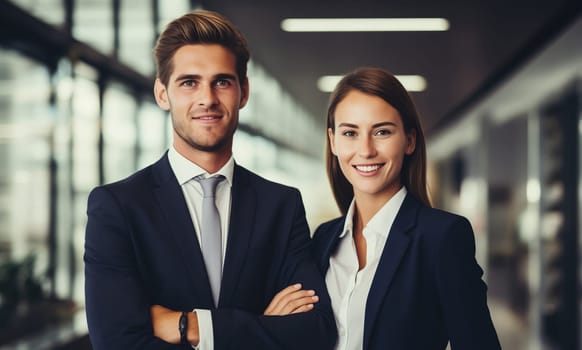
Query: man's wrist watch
x,y
183,328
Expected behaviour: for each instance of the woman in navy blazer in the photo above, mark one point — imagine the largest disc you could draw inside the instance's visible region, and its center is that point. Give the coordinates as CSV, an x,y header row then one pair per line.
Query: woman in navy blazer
x,y
401,274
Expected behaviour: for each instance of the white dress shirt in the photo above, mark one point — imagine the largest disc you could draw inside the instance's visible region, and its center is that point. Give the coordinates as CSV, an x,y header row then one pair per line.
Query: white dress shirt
x,y
348,288
185,172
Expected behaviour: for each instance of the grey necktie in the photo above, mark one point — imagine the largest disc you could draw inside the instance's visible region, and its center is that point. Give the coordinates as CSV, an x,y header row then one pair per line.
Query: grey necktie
x,y
210,234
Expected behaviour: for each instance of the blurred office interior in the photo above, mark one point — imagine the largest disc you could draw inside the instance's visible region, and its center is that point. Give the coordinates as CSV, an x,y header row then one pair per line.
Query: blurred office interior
x,y
77,110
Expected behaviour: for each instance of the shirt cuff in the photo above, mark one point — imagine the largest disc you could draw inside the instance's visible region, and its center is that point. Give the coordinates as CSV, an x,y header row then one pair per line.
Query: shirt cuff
x,y
205,330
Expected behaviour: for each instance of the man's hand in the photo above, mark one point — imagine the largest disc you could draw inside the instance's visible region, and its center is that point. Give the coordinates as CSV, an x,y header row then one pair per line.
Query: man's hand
x,y
291,300
165,323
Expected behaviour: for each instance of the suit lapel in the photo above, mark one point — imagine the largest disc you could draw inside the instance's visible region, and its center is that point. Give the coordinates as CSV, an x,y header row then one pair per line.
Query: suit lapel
x,y
243,207
394,250
179,227
329,243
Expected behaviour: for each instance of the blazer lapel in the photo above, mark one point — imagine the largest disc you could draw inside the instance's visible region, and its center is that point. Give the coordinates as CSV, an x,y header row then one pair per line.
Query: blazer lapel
x,y
179,227
394,251
242,216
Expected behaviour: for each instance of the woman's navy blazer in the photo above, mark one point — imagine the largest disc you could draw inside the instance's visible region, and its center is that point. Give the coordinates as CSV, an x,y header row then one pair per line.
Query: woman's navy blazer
x,y
427,289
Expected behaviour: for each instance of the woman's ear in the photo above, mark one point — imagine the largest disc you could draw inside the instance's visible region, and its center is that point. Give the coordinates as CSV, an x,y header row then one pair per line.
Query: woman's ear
x,y
411,142
331,137
161,95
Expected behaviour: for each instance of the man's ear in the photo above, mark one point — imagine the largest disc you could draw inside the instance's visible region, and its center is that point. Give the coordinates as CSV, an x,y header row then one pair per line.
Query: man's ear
x,y
161,95
331,137
244,96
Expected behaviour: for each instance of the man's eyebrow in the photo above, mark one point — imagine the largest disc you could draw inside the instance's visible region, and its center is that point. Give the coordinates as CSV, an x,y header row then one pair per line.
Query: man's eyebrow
x,y
225,76
219,76
187,77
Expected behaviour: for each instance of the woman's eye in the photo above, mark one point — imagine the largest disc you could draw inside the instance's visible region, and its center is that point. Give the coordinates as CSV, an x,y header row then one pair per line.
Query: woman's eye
x,y
349,133
383,132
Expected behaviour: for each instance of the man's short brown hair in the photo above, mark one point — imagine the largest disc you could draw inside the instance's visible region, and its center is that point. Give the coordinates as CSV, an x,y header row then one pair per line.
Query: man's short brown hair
x,y
199,27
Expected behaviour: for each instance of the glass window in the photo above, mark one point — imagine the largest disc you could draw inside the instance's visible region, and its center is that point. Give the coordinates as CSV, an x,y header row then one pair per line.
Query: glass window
x,y
137,35
84,169
169,10
85,106
119,133
93,24
152,124
25,134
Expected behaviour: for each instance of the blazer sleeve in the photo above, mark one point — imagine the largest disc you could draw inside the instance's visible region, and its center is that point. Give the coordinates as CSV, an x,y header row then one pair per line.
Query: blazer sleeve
x,y
236,329
117,305
462,292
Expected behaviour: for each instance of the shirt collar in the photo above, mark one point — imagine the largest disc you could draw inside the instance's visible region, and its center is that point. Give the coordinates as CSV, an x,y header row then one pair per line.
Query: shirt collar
x,y
386,215
382,219
185,170
348,224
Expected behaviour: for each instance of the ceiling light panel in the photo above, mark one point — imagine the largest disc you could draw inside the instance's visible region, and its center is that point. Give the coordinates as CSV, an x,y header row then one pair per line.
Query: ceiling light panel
x,y
412,83
364,24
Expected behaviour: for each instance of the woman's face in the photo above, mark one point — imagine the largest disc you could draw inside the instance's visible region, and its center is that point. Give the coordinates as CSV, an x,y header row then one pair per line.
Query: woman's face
x,y
370,143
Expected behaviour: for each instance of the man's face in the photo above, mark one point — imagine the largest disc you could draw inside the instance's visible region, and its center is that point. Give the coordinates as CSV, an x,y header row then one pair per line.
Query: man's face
x,y
204,96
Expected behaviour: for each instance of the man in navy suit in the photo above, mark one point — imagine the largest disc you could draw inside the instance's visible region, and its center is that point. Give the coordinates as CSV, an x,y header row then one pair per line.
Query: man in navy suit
x,y
147,284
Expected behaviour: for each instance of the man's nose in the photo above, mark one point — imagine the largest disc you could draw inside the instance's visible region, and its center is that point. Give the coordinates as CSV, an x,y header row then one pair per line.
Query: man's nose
x,y
207,96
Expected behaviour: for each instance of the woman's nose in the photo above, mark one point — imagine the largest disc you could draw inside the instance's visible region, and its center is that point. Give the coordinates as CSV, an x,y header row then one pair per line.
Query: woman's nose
x,y
367,148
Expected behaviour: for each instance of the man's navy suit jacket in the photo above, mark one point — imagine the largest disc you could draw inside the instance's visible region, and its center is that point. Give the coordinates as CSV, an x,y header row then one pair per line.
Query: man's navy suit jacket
x,y
141,249
427,289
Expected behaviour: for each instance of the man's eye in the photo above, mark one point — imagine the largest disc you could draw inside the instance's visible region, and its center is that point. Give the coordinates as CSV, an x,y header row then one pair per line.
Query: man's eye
x,y
188,83
222,82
